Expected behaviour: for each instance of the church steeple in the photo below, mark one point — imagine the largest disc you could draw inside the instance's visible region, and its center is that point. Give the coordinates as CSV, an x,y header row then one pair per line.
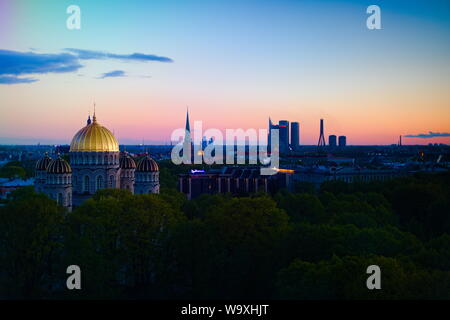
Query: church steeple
x,y
188,128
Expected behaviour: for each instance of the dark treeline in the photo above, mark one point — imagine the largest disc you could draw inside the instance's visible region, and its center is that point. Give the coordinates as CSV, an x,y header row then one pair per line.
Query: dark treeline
x,y
303,245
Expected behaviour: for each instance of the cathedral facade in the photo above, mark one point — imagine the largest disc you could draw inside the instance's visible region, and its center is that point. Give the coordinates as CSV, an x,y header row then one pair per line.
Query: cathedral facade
x,y
95,163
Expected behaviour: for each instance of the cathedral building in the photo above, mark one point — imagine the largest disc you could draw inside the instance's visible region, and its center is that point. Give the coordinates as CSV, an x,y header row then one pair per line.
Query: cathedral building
x,y
95,163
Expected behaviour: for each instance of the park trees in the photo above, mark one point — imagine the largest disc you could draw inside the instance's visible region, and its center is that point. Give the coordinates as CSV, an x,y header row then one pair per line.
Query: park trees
x,y
30,248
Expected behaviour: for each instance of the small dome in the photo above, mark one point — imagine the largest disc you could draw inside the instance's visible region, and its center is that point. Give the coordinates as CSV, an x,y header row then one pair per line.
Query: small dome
x,y
59,165
43,163
126,162
94,138
147,164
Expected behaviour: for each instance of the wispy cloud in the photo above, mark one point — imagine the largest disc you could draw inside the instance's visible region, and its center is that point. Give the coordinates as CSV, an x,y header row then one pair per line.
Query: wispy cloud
x,y
428,135
92,54
14,64
15,80
113,74
18,63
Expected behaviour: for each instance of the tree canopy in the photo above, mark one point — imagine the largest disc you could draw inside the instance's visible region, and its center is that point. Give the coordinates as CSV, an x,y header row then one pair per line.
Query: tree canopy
x,y
303,245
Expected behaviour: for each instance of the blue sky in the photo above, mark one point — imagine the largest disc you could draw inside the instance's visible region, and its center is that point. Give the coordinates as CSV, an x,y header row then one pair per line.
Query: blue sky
x,y
234,63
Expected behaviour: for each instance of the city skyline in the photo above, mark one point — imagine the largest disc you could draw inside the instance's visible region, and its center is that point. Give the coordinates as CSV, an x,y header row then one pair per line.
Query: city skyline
x,y
300,61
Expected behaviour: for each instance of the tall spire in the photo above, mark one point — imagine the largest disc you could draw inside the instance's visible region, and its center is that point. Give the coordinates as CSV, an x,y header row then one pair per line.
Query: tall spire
x,y
188,128
94,118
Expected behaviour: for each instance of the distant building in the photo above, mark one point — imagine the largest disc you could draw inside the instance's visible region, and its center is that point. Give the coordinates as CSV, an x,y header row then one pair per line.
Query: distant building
x,y
295,136
283,125
319,175
235,180
269,138
7,186
332,141
342,141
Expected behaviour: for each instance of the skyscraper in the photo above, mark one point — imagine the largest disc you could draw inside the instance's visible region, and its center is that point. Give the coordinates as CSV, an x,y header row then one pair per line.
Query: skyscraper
x,y
342,141
271,126
332,140
295,135
284,136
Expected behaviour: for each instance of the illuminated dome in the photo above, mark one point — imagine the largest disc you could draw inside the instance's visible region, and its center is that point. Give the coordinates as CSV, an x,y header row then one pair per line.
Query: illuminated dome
x,y
43,163
126,162
59,165
94,138
147,164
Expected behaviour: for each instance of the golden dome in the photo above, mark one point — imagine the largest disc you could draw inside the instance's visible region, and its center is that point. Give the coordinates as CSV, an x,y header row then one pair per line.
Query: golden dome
x,y
59,165
147,164
43,163
94,138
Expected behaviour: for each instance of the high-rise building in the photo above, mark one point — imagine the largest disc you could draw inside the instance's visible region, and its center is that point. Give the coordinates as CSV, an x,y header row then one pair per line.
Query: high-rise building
x,y
269,138
342,141
284,136
332,140
295,136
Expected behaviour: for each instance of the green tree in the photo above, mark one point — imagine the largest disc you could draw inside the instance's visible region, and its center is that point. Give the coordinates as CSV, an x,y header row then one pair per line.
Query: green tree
x,y
30,245
302,207
12,172
118,239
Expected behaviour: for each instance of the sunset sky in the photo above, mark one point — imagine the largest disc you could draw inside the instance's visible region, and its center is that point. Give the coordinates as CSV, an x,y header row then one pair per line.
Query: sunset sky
x,y
234,63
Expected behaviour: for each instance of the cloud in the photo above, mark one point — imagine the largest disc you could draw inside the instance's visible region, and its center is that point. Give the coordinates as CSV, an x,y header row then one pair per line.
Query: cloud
x,y
14,64
113,74
15,80
428,135
92,54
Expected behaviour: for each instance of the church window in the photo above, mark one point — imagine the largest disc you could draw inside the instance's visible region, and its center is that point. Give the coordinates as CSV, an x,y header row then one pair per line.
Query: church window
x,y
86,184
99,182
112,182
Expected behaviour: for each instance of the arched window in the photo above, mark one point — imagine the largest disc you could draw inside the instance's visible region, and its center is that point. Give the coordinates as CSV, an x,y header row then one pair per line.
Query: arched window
x,y
112,182
99,182
86,184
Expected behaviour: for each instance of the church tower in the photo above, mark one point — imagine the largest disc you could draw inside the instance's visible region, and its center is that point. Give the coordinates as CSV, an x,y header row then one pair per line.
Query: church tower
x,y
127,169
147,176
188,148
94,157
58,184
40,178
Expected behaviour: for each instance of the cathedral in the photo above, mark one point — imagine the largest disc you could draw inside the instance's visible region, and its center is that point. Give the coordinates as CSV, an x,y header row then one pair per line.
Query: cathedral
x,y
95,163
